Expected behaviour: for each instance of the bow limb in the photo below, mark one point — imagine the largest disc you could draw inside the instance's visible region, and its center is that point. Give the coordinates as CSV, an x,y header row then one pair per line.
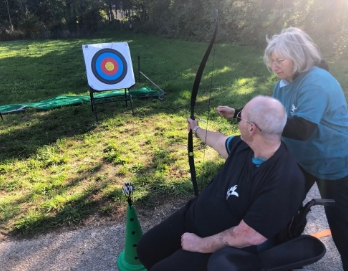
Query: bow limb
x,y
193,102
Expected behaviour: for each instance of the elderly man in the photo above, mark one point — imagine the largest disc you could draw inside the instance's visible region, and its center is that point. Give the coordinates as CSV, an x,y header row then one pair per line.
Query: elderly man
x,y
252,198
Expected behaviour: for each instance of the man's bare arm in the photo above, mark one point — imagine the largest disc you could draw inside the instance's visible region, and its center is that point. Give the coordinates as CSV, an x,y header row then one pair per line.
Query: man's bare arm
x,y
239,237
215,140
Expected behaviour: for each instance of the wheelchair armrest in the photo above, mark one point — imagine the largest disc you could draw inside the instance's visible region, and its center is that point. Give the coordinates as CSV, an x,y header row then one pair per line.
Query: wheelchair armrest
x,y
297,252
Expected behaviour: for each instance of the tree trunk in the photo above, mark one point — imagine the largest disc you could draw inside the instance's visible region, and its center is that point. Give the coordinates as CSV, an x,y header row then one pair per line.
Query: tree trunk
x,y
9,16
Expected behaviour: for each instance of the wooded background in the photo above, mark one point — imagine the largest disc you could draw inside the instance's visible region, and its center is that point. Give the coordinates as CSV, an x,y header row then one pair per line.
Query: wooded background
x,y
243,22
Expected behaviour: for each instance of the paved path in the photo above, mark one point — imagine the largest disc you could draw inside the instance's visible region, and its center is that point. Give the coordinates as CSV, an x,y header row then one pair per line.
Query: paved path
x,y
97,248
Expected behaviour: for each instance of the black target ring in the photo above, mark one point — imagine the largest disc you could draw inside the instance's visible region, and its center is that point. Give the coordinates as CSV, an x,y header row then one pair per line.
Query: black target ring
x,y
109,66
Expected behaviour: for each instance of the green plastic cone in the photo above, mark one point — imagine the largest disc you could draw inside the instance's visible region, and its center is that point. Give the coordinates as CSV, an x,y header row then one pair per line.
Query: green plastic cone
x,y
128,259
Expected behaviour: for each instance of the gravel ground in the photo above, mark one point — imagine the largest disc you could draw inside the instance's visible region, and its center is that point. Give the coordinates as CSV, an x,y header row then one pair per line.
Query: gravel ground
x,y
97,248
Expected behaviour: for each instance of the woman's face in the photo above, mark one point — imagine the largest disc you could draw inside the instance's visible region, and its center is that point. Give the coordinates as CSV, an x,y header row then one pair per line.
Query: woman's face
x,y
283,67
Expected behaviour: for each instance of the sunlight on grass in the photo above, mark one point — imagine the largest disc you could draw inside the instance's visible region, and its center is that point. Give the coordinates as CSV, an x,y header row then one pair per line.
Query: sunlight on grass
x,y
220,71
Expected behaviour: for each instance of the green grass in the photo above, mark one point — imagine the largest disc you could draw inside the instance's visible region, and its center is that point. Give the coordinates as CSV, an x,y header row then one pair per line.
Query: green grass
x,y
59,167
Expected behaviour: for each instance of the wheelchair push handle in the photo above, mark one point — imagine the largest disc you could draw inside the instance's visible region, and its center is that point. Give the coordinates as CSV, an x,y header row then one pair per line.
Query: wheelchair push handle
x,y
324,202
306,209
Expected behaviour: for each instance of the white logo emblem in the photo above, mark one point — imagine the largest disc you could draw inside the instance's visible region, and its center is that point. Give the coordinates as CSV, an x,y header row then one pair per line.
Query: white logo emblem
x,y
293,109
232,191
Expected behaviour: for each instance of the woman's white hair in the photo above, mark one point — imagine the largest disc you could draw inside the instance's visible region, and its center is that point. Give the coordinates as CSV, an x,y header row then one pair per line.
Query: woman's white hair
x,y
293,43
269,114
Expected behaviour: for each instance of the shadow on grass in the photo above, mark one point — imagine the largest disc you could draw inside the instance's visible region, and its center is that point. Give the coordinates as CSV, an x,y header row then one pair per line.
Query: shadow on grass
x,y
92,202
26,132
72,211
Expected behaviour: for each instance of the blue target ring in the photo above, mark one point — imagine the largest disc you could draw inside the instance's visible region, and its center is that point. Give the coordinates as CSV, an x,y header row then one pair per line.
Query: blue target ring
x,y
109,66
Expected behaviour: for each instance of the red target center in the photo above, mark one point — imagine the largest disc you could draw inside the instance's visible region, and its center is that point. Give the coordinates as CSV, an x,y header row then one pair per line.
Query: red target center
x,y
109,66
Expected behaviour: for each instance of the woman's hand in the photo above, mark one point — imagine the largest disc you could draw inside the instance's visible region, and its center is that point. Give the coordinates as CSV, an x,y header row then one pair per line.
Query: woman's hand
x,y
225,111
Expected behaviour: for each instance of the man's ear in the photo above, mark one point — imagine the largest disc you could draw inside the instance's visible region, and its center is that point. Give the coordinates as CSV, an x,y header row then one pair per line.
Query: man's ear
x,y
252,129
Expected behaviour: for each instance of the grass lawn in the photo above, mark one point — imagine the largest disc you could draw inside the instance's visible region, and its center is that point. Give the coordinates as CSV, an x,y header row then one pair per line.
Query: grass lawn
x,y
59,167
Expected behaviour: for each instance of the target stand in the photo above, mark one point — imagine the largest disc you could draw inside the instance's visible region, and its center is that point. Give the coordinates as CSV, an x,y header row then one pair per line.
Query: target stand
x,y
108,67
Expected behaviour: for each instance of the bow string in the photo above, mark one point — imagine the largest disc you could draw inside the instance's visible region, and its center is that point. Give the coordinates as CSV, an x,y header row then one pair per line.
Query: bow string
x,y
193,102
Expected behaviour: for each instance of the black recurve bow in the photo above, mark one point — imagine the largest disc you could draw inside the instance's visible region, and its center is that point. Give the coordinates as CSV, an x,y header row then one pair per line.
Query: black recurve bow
x,y
193,102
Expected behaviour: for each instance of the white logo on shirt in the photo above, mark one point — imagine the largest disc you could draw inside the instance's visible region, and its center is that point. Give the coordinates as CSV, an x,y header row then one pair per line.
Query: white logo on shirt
x,y
232,191
293,109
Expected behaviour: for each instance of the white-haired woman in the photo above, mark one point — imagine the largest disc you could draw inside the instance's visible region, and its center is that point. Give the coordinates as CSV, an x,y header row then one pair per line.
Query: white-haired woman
x,y
317,127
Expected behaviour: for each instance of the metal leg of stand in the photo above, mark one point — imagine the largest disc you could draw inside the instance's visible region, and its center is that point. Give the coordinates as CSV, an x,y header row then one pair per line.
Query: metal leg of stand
x,y
126,93
131,102
94,110
91,98
127,97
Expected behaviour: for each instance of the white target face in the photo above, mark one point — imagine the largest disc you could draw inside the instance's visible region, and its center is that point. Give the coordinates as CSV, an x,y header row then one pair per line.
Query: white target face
x,y
108,65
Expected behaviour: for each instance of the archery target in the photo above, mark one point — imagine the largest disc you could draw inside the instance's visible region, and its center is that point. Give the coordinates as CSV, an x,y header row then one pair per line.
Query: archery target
x,y
108,66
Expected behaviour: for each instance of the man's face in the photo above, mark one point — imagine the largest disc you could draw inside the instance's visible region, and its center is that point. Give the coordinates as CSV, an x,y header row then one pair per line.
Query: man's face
x,y
243,124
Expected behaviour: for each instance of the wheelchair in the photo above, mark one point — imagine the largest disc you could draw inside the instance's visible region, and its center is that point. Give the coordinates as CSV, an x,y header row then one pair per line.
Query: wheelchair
x,y
292,252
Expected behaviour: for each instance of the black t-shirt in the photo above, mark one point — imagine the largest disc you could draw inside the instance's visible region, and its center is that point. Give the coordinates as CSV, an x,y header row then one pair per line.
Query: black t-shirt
x,y
265,197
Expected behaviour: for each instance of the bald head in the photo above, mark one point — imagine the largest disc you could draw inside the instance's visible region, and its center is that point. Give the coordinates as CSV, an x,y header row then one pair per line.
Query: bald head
x,y
268,113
